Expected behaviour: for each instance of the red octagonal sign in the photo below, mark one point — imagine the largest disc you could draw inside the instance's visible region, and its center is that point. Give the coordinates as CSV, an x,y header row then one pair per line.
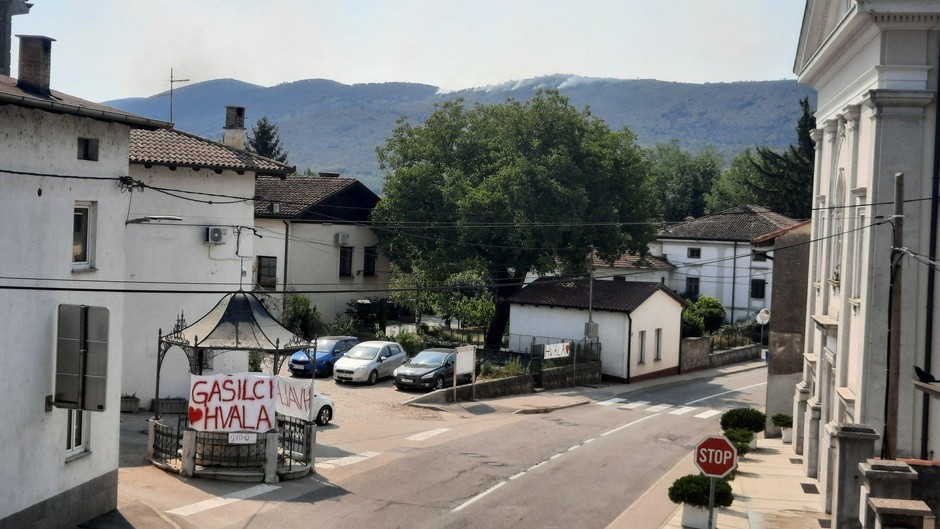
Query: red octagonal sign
x,y
715,456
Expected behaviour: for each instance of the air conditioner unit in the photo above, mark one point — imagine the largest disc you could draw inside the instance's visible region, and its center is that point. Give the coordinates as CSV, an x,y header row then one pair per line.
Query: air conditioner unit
x,y
216,235
340,238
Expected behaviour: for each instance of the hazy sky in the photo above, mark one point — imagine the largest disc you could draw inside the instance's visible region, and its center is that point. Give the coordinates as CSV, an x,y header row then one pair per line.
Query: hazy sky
x,y
109,49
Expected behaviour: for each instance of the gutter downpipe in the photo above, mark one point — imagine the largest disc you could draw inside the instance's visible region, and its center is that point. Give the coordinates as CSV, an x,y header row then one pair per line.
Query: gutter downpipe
x,y
286,255
629,344
931,272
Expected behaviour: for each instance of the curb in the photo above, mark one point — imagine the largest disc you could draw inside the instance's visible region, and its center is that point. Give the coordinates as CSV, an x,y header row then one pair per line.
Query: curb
x,y
549,409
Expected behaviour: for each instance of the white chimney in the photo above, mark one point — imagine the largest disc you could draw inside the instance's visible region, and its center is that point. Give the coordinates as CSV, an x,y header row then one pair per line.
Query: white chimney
x,y
233,134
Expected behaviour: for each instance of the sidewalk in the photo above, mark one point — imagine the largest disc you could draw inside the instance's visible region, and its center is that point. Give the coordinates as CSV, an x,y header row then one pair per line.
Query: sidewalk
x,y
770,491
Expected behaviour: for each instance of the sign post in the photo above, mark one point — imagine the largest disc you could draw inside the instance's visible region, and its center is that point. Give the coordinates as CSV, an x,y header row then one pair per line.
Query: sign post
x,y
716,457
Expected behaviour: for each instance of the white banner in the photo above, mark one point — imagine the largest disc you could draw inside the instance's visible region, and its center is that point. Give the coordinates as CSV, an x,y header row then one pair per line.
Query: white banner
x,y
243,402
557,350
293,397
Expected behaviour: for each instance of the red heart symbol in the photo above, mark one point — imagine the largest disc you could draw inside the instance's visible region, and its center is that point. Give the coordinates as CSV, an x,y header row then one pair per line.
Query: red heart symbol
x,y
194,414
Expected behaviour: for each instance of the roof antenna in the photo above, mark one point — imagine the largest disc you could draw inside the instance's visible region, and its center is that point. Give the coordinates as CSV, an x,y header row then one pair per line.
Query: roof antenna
x,y
171,90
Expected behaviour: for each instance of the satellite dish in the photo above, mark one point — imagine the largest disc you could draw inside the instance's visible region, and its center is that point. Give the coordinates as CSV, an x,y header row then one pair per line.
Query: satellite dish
x,y
763,317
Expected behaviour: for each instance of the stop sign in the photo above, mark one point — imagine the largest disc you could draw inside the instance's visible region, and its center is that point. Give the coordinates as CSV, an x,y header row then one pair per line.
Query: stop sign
x,y
715,456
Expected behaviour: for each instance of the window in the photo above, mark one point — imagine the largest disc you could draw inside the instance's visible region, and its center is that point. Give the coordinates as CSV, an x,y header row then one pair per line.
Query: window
x,y
758,256
757,288
267,272
694,253
659,345
368,263
641,354
88,149
691,287
76,433
345,261
83,236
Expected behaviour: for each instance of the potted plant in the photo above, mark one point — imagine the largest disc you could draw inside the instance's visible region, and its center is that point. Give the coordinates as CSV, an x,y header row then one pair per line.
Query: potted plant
x,y
129,403
692,492
785,423
742,438
747,418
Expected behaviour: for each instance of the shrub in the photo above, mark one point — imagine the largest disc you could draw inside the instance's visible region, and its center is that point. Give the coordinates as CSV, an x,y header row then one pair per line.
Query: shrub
x,y
412,342
741,439
693,490
487,370
254,361
301,318
711,311
692,324
747,418
782,420
512,368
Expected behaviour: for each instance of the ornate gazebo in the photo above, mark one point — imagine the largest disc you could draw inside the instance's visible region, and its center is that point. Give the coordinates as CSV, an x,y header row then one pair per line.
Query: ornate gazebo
x,y
238,322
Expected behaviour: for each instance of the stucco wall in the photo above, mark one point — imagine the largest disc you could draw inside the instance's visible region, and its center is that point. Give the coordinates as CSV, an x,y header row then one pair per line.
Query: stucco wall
x,y
659,311
720,275
39,211
176,252
313,263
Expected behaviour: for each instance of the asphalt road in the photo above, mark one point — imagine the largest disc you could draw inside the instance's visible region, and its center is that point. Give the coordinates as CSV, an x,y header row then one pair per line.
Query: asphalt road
x,y
573,468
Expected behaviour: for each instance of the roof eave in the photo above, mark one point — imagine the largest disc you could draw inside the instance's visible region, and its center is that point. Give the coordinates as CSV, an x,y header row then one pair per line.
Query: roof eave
x,y
78,110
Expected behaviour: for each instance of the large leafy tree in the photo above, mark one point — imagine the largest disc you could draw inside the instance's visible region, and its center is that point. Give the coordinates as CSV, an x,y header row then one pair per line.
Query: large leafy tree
x,y
510,188
682,179
264,140
786,181
733,187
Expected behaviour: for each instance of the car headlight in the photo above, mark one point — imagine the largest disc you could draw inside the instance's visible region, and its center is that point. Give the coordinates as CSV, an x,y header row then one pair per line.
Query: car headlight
x,y
428,376
360,369
395,372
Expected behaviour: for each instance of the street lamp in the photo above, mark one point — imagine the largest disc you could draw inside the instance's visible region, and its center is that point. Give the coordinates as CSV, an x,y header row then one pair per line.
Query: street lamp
x,y
763,318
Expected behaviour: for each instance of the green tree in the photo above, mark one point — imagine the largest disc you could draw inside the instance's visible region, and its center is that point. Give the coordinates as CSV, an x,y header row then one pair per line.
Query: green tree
x,y
264,140
682,180
786,181
734,187
711,311
507,189
300,318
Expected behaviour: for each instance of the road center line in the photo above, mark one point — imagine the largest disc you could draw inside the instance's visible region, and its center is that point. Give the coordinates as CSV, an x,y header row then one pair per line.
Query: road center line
x,y
478,496
725,393
629,424
201,506
428,434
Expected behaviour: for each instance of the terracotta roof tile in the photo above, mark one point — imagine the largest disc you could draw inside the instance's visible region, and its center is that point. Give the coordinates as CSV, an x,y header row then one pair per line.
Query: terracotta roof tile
x,y
296,193
636,262
612,296
741,223
172,147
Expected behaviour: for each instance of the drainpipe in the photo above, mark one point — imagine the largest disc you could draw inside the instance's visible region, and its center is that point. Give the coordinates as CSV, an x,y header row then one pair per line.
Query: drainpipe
x,y
286,255
931,275
629,344
734,278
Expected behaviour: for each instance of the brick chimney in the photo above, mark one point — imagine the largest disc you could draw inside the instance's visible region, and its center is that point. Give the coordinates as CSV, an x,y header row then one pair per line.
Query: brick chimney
x,y
233,134
35,64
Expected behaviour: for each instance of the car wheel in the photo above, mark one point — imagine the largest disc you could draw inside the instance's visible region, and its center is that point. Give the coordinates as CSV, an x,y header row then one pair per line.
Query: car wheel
x,y
373,377
323,418
439,383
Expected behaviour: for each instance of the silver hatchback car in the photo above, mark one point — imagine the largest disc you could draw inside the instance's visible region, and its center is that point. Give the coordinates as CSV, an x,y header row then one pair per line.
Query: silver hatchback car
x,y
369,361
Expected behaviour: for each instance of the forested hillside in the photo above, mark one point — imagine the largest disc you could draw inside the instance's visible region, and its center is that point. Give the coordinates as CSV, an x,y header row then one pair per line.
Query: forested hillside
x,y
329,126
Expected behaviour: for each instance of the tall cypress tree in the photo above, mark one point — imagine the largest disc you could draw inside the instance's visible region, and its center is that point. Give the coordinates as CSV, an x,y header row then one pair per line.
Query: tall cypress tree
x,y
264,140
786,180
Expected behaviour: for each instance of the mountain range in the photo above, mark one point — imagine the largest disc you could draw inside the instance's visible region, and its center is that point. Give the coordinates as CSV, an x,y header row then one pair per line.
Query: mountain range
x,y
329,126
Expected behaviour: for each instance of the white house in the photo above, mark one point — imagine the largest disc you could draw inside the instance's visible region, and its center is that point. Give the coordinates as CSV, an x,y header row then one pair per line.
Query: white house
x,y
635,268
61,162
189,231
639,323
315,238
715,256
874,65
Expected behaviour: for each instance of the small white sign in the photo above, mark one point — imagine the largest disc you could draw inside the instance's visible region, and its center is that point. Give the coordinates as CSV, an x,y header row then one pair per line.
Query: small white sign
x,y
242,438
557,350
466,358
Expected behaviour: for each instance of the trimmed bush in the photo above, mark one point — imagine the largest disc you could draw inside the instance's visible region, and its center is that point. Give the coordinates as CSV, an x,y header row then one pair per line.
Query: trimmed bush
x,y
741,439
782,420
747,418
693,490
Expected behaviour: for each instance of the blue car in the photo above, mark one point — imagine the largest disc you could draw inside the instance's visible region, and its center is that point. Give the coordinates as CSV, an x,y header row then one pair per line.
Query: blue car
x,y
328,350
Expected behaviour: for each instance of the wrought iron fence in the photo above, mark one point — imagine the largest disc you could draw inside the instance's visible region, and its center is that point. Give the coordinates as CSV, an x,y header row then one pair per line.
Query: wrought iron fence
x,y
294,438
167,443
213,449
